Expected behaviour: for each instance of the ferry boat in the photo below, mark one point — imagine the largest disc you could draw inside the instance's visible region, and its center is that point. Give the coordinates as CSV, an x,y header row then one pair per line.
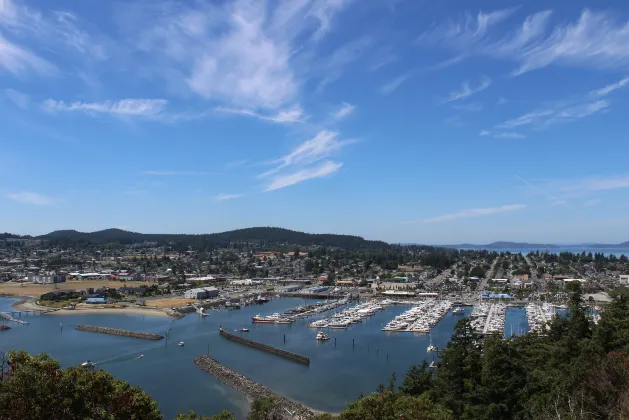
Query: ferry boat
x,y
322,337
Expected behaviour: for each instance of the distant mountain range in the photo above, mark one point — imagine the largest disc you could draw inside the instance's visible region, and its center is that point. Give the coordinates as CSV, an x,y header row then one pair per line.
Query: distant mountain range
x,y
259,235
525,245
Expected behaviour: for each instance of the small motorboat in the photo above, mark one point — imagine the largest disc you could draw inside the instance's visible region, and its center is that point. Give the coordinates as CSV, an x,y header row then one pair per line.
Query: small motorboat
x,y
140,356
457,311
432,349
180,344
88,364
244,330
322,337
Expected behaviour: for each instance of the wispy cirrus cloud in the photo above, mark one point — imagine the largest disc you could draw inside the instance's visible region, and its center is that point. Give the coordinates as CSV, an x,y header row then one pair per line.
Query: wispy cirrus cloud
x,y
392,85
299,164
318,171
595,40
592,202
288,116
606,90
557,113
487,211
223,196
243,55
28,197
344,111
502,134
19,60
175,173
467,90
151,108
21,100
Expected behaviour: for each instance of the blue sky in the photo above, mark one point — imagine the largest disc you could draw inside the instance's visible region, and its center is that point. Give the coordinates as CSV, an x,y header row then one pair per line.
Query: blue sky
x,y
406,121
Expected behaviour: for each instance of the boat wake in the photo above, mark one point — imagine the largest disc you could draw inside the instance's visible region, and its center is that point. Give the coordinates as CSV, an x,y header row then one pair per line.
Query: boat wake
x,y
119,359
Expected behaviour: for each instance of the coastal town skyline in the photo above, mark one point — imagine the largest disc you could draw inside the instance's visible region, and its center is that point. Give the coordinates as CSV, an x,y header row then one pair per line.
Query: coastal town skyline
x,y
399,121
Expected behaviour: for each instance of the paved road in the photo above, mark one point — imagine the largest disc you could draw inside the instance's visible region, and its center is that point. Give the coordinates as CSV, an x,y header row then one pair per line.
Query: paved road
x,y
488,275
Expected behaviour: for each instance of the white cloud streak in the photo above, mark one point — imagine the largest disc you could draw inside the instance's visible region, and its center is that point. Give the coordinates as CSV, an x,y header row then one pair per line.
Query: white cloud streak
x,y
175,173
468,90
345,110
319,147
287,116
475,213
558,113
251,55
284,180
611,88
149,108
502,135
18,60
28,197
594,40
21,100
223,197
392,85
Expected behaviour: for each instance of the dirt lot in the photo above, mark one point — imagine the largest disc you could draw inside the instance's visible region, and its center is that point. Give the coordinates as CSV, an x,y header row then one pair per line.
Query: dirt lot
x,y
169,302
39,289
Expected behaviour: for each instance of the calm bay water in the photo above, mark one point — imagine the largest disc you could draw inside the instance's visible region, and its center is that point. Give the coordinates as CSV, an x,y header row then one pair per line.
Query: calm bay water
x,y
337,373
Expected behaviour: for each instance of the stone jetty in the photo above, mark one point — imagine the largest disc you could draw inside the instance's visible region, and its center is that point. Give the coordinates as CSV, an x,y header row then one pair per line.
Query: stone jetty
x,y
4,327
115,331
253,390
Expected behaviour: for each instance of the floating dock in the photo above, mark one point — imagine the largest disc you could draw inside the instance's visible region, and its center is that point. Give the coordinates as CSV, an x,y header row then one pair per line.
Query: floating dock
x,y
122,333
287,354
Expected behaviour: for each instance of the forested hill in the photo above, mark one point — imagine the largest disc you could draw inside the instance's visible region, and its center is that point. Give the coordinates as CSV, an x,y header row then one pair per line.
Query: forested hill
x,y
263,236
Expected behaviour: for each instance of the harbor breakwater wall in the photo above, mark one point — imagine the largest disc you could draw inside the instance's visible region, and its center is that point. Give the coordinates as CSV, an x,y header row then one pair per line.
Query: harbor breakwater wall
x,y
287,354
115,331
253,390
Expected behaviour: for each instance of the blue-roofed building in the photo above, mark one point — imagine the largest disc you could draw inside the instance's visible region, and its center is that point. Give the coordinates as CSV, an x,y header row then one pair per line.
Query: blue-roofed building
x,y
95,300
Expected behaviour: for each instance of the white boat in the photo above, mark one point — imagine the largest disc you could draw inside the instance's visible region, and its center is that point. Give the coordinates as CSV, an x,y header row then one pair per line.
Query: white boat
x,y
180,344
457,311
432,348
244,330
88,364
322,337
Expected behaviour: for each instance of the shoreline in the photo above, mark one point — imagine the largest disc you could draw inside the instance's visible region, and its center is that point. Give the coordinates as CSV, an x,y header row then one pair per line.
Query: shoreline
x,y
27,303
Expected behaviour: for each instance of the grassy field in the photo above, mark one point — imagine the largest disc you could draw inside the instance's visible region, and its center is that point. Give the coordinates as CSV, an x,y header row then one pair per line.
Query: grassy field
x,y
169,302
40,289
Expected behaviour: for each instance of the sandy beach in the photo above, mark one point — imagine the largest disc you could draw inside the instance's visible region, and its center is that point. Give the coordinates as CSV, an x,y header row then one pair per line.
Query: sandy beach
x,y
30,305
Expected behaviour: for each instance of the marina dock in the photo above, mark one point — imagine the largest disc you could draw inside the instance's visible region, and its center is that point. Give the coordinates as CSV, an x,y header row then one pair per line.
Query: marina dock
x,y
287,354
250,389
122,333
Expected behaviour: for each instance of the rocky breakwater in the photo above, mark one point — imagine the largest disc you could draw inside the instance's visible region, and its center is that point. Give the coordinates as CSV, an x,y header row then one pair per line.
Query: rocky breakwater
x,y
4,327
253,390
115,331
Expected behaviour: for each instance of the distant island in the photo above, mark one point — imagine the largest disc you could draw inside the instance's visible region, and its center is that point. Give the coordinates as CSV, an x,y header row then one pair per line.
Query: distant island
x,y
526,245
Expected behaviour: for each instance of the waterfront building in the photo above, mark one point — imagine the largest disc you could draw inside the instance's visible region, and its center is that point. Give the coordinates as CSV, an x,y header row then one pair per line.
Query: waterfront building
x,y
46,278
201,293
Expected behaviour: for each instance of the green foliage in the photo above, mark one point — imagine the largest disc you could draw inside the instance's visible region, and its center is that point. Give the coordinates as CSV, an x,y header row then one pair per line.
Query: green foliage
x,y
390,405
39,389
265,409
225,415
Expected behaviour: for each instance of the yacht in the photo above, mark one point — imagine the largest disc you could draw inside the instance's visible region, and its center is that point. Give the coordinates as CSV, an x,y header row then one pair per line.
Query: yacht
x,y
88,364
322,337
